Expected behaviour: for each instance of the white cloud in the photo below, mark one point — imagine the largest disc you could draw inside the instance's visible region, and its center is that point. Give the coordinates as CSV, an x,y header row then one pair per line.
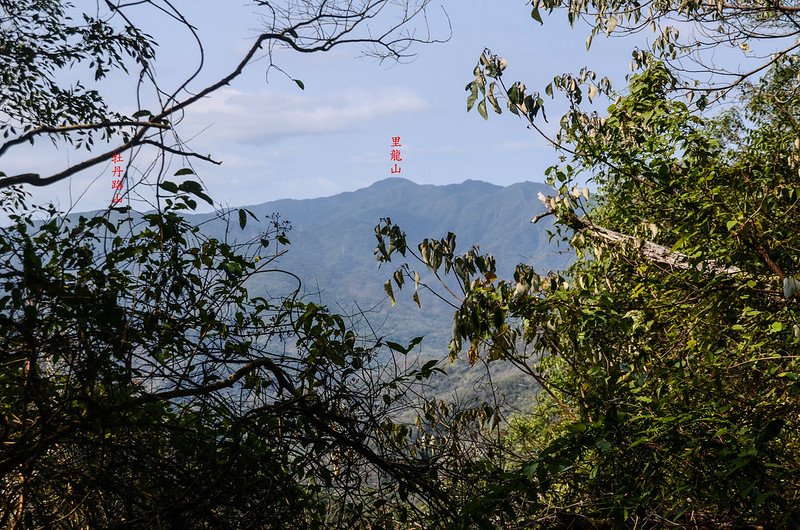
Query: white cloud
x,y
257,118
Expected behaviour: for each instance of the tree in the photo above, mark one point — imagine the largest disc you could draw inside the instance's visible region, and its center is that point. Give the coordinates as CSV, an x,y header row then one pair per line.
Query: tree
x,y
142,383
693,36
666,354
40,40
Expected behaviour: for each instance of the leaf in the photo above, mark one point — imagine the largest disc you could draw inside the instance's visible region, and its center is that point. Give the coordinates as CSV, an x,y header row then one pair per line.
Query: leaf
x,y
536,16
577,428
513,94
603,445
191,186
415,297
300,84
471,99
242,219
428,366
494,103
482,110
388,288
184,171
140,113
169,186
194,187
612,23
396,347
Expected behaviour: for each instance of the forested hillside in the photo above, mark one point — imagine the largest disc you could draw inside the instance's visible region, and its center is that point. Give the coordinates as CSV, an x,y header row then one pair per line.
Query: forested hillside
x,y
165,369
332,243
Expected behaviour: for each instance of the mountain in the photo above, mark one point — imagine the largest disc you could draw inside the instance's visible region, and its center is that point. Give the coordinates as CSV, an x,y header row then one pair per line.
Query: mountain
x,y
331,251
332,243
332,240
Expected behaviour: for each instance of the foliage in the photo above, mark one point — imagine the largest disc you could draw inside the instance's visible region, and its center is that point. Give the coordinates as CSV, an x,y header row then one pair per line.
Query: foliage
x,y
43,47
692,37
143,385
39,39
671,377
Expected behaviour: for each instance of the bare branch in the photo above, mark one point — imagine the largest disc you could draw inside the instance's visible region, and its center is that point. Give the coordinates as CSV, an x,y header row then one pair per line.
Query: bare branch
x,y
174,151
329,26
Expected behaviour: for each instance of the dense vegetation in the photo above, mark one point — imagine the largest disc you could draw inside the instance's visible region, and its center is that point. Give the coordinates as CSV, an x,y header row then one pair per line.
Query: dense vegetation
x,y
143,385
667,353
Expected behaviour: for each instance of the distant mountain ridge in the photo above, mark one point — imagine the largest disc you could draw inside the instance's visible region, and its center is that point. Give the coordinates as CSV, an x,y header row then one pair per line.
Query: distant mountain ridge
x,y
494,217
331,251
332,240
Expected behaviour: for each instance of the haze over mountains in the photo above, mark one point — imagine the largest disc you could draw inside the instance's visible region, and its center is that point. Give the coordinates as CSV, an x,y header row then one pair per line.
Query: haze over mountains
x,y
332,242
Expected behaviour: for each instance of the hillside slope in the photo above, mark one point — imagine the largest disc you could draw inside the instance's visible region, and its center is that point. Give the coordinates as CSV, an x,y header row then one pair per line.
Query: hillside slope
x,y
332,241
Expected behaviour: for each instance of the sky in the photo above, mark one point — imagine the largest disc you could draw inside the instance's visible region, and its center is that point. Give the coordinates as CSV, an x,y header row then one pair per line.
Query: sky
x,y
278,141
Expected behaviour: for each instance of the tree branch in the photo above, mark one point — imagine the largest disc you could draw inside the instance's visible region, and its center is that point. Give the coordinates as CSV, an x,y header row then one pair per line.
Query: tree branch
x,y
174,151
651,251
77,127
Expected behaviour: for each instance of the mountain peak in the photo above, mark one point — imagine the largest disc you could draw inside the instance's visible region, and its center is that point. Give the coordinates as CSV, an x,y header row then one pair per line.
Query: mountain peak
x,y
478,184
392,182
395,182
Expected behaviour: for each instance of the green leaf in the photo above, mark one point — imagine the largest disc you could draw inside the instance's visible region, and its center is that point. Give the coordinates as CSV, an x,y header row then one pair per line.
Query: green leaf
x,y
603,445
471,99
577,428
300,84
536,16
482,110
184,171
396,347
169,186
193,187
242,219
493,101
140,113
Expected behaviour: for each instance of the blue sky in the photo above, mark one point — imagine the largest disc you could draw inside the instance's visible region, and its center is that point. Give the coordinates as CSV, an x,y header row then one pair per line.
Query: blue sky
x,y
277,141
